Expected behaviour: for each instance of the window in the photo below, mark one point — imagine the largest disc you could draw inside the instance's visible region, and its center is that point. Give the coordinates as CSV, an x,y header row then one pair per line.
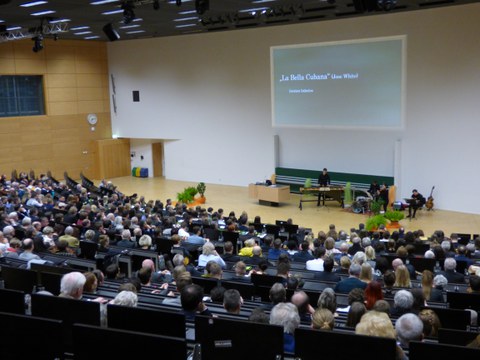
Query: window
x,y
21,95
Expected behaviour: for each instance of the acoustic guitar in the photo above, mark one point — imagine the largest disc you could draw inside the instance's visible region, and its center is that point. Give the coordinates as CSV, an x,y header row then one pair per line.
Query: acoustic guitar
x,y
429,203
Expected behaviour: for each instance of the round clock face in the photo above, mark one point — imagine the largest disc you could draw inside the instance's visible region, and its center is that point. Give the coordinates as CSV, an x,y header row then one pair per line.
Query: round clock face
x,y
92,119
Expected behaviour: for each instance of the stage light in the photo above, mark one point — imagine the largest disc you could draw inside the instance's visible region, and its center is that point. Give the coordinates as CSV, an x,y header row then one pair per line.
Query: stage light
x,y
128,14
179,2
156,5
38,43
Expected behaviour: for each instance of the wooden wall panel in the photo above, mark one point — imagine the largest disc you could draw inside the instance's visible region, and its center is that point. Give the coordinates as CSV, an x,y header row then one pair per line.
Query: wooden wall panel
x,y
62,139
61,80
6,50
112,158
62,94
61,66
7,66
30,66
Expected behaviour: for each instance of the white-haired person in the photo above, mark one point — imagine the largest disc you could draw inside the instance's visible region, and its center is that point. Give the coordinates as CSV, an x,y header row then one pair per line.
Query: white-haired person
x,y
71,286
409,327
126,241
208,254
286,315
145,242
402,303
449,266
125,298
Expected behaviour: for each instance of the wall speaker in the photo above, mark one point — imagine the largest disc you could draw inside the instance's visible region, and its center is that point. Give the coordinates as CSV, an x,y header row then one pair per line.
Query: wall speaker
x,y
111,33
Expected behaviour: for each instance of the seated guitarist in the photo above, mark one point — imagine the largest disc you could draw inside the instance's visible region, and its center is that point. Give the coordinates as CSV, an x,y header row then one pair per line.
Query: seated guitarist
x,y
416,201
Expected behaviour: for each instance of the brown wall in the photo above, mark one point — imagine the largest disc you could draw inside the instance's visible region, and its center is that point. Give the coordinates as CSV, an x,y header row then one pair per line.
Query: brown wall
x,y
76,83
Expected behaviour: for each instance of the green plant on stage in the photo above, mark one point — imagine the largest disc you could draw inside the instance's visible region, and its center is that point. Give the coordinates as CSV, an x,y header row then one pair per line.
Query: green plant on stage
x,y
187,195
376,206
394,216
201,188
374,222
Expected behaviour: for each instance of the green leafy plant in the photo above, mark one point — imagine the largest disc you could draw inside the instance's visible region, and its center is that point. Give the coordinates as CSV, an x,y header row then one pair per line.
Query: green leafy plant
x,y
187,195
201,188
375,221
394,215
376,206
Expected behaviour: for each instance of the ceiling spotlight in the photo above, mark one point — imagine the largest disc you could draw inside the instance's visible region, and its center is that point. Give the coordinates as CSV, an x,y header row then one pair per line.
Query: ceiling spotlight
x,y
156,5
38,43
128,14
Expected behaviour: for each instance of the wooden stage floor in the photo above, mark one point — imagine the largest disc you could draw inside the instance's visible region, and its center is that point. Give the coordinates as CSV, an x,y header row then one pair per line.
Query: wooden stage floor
x,y
317,218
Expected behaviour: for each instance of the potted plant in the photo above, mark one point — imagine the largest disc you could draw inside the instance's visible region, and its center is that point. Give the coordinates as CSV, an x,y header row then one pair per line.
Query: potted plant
x,y
376,206
187,195
201,190
374,222
394,217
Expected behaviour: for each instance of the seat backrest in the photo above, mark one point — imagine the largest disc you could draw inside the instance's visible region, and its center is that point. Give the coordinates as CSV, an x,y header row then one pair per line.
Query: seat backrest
x,y
426,350
308,340
13,301
159,322
39,332
456,337
235,339
114,343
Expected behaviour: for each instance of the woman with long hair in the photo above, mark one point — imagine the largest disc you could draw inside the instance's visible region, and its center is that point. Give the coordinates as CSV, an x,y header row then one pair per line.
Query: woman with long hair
x,y
373,292
402,277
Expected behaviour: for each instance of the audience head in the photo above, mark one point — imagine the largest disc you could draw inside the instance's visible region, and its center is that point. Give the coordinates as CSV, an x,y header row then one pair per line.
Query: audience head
x,y
355,313
301,300
440,281
323,319
278,293
191,297
232,301
327,300
403,300
375,323
91,283
373,292
382,306
125,298
450,264
409,327
258,315
217,293
355,270
431,322
71,285
286,315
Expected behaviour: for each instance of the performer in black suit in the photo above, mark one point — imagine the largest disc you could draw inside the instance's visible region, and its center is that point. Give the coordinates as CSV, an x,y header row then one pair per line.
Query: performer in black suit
x,y
416,201
324,178
323,181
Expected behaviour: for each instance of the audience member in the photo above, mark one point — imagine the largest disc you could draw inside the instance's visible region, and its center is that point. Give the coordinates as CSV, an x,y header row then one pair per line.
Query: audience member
x,y
409,327
286,315
352,282
323,319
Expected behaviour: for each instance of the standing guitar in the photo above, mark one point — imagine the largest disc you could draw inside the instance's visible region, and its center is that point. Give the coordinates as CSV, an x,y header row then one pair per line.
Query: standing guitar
x,y
429,203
